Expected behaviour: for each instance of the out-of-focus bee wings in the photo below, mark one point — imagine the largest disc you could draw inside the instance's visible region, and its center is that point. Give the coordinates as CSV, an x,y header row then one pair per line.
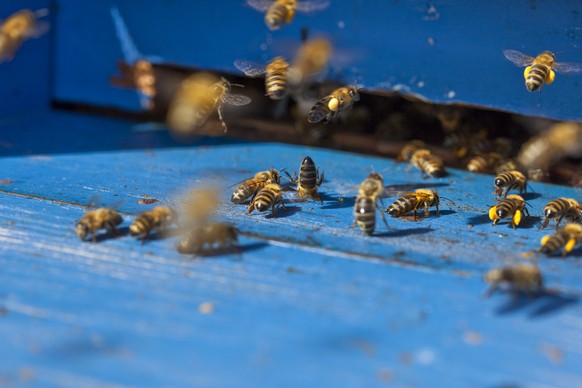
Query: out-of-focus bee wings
x,y
312,5
518,58
251,69
236,99
260,5
316,115
567,67
95,202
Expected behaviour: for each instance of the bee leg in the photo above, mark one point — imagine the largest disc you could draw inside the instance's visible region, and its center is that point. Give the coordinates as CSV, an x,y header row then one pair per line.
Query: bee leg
x,y
491,290
558,223
251,207
437,210
546,222
319,178
382,213
292,179
94,238
408,167
219,111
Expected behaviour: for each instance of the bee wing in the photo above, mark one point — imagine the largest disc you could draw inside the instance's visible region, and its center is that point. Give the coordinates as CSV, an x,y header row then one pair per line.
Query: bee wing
x,y
319,111
518,58
312,5
249,68
260,5
567,67
39,29
236,99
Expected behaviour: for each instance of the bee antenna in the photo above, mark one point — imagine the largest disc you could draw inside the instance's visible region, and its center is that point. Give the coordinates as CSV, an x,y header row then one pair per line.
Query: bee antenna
x,y
239,85
448,199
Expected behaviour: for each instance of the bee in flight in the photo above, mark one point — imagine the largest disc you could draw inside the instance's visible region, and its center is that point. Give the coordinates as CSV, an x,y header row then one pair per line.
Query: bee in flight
x,y
512,206
159,217
276,73
329,106
369,194
510,180
203,239
280,12
267,198
560,208
250,186
197,98
522,278
540,70
19,27
413,201
427,163
95,220
310,61
308,181
567,237
139,76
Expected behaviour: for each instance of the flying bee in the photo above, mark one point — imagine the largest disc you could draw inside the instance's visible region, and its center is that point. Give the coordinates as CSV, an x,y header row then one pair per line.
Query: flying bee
x,y
280,12
197,98
510,180
139,76
19,27
540,70
200,204
276,73
269,196
484,163
567,237
513,206
329,106
250,186
159,218
560,208
94,220
427,163
204,238
409,149
310,61
522,278
413,201
369,194
308,181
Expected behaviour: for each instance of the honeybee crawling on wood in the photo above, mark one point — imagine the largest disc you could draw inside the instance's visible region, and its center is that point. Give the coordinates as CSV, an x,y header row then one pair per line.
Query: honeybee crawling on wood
x,y
427,163
560,208
369,194
93,221
329,106
308,181
250,186
510,180
409,149
484,163
159,217
512,206
19,27
204,239
267,198
280,12
540,70
413,201
197,98
522,278
566,238
276,73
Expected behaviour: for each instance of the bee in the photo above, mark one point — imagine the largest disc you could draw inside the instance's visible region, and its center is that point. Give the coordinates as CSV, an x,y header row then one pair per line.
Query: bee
x,y
427,163
138,76
308,181
513,206
159,217
540,70
268,197
93,221
509,165
413,201
19,27
484,163
204,238
276,73
310,60
250,186
329,106
522,278
562,208
567,237
510,180
280,12
197,98
200,204
409,149
369,194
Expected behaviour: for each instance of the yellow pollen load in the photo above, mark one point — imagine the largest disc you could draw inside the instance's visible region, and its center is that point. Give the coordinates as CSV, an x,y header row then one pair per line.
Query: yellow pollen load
x,y
333,104
517,217
550,78
569,245
526,72
493,213
545,240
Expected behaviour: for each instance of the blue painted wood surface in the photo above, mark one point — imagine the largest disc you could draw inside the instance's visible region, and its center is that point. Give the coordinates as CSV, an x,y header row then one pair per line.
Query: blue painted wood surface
x,y
307,299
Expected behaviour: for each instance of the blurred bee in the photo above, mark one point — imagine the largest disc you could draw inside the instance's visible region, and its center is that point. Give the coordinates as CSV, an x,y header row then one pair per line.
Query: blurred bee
x,y
308,181
427,163
310,60
200,204
280,12
540,70
484,163
465,142
197,98
203,239
268,197
329,106
409,149
510,180
513,206
138,76
159,217
276,73
369,194
522,278
250,186
93,221
562,208
567,237
413,201
19,27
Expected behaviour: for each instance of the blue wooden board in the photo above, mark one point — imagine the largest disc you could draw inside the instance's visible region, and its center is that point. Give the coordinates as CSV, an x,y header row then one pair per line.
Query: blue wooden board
x,y
307,299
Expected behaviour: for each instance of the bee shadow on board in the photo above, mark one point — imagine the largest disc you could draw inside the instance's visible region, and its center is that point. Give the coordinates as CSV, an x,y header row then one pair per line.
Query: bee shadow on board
x,y
539,304
403,232
285,212
164,234
529,222
479,219
531,195
235,251
121,232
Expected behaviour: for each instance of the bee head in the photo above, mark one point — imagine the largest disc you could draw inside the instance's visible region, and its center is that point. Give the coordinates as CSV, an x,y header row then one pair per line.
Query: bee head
x,y
82,230
494,276
354,93
498,182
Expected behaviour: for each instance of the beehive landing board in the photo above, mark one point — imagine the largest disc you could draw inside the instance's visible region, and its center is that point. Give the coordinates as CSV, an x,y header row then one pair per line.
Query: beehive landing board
x,y
306,298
